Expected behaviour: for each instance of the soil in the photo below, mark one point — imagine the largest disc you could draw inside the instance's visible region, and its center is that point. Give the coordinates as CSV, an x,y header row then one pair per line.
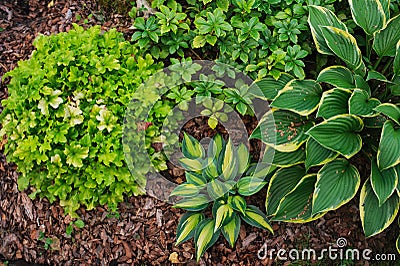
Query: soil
x,y
143,230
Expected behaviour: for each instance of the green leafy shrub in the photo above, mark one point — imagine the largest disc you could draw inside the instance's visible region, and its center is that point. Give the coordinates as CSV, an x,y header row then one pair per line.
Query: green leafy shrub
x,y
64,114
350,109
215,178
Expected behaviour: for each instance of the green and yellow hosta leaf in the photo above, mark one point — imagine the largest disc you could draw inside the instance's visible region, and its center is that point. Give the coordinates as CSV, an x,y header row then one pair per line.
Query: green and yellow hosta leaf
x,y
238,203
205,237
215,147
231,230
390,110
194,165
282,130
397,169
396,61
361,104
389,146
250,185
299,96
383,182
195,179
283,181
268,88
254,216
375,218
317,154
334,102
287,159
337,183
223,215
198,203
210,169
375,75
243,157
343,45
318,17
338,76
368,14
218,188
191,147
296,206
385,40
362,84
187,226
398,244
229,163
386,8
340,134
186,190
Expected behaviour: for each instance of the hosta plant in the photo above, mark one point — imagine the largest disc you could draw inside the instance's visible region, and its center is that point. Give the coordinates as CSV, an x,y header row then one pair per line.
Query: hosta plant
x,y
217,181
64,114
349,114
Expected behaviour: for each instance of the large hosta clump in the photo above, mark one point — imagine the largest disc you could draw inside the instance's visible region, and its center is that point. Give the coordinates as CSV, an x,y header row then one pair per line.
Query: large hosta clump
x,y
64,115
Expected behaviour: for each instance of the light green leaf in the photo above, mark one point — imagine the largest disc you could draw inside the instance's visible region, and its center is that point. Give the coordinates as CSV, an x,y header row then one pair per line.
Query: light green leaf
x,y
253,216
389,146
361,104
334,102
195,179
197,203
191,147
191,165
317,154
222,216
383,182
396,61
186,190
385,40
231,230
338,76
368,14
250,185
199,41
217,189
187,226
238,203
229,164
204,236
242,158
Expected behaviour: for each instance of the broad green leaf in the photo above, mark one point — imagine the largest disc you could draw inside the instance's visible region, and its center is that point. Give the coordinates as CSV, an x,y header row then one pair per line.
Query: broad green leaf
x,y
375,218
187,226
223,215
340,134
296,205
268,88
389,146
242,158
343,45
396,61
283,181
375,75
231,230
337,183
204,236
191,165
250,185
386,8
368,14
199,41
299,96
254,216
229,163
361,104
362,84
238,203
383,182
385,40
319,17
200,202
79,224
287,159
390,110
186,190
338,76
282,130
317,154
191,147
334,102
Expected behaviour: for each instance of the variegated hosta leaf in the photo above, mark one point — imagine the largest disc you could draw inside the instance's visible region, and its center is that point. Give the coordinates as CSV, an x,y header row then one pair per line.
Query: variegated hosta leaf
x,y
205,237
375,218
210,168
338,76
362,84
229,163
334,102
187,226
243,157
368,14
385,40
340,134
318,17
198,203
386,8
299,96
238,203
383,182
389,110
254,216
282,130
250,185
337,183
397,169
195,179
231,230
296,206
217,188
389,146
375,75
281,183
317,154
215,147
361,104
268,88
343,45
194,165
191,147
223,215
398,244
396,62
287,159
186,190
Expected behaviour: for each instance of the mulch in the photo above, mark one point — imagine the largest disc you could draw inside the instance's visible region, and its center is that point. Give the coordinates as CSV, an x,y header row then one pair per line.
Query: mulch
x,y
144,232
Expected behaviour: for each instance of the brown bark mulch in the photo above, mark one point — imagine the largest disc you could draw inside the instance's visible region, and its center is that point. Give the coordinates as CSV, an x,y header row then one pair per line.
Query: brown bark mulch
x,y
144,232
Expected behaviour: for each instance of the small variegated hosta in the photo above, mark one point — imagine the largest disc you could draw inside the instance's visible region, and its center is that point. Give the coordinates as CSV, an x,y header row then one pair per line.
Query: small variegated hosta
x,y
350,109
219,178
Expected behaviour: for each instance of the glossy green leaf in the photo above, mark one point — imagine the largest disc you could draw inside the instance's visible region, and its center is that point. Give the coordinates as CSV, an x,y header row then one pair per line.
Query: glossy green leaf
x,y
187,226
200,202
385,40
361,104
337,183
375,75
390,110
283,181
254,216
231,230
375,218
386,8
287,159
205,237
319,17
343,45
338,76
340,134
362,84
334,102
389,146
195,179
396,61
268,88
368,14
317,154
250,185
383,182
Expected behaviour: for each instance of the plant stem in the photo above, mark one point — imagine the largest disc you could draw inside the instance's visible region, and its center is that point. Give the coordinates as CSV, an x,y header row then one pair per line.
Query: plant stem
x,y
368,44
388,64
377,63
